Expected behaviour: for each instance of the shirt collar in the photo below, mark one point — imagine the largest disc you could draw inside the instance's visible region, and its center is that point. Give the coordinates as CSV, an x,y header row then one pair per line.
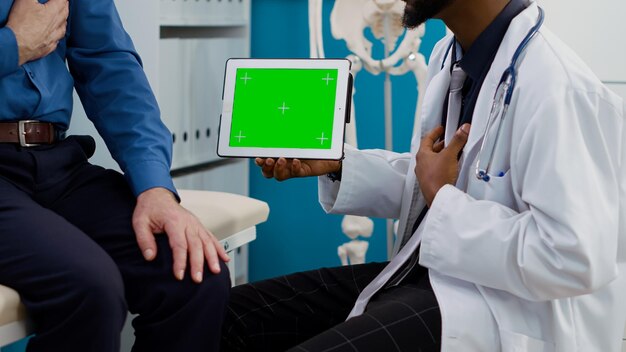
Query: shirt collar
x,y
480,55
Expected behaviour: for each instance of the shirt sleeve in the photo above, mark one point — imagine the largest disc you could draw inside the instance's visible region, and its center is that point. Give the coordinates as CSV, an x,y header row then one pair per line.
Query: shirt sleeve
x,y
9,54
116,95
363,173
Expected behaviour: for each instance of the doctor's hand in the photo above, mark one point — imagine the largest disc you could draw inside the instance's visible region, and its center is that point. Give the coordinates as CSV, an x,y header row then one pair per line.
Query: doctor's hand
x,y
157,211
437,166
38,28
284,169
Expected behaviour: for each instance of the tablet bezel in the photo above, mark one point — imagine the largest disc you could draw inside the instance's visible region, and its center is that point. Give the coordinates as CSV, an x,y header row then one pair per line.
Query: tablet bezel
x,y
342,106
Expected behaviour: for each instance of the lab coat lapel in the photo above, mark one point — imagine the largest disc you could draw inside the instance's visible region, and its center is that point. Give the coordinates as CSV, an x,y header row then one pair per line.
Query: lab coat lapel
x,y
517,31
432,108
431,118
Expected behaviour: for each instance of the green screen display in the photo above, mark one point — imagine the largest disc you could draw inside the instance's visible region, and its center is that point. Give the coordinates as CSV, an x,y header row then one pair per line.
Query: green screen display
x,y
283,108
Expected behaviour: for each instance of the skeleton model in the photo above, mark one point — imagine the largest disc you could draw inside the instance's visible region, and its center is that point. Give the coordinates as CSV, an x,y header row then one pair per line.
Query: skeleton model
x,y
353,227
349,19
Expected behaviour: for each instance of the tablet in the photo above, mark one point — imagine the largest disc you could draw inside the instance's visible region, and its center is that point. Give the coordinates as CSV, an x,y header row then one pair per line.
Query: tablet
x,y
293,108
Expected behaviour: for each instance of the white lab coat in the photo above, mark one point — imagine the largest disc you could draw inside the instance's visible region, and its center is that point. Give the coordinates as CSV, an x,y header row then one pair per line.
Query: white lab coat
x,y
533,260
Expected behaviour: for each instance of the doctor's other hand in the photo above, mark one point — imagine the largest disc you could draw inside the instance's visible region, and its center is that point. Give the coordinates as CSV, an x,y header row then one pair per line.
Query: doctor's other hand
x,y
38,28
437,166
284,169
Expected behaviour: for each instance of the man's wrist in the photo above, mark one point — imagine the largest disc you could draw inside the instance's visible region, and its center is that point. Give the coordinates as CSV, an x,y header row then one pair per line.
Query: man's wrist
x,y
157,192
22,51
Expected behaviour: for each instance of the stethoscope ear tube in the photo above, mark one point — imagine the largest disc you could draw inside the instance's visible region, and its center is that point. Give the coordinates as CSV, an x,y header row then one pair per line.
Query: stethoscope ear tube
x,y
509,80
512,70
501,102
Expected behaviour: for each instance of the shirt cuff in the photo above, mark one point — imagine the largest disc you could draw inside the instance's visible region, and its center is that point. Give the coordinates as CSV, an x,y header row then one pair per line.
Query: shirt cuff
x,y
149,174
327,192
9,59
335,197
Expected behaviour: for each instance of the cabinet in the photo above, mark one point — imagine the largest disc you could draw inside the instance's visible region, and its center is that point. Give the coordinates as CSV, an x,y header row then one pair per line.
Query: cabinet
x,y
196,37
204,13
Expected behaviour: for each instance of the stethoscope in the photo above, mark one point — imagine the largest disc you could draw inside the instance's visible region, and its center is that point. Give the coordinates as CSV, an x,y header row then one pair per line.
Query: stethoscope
x,y
501,102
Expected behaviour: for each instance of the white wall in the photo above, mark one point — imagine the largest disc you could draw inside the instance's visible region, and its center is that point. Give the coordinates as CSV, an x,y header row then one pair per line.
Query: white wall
x,y
596,30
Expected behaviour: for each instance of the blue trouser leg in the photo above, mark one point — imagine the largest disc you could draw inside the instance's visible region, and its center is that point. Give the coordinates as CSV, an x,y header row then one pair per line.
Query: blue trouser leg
x,y
67,246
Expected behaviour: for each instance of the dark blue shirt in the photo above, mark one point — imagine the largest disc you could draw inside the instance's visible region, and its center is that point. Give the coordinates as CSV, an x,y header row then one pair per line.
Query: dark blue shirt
x,y
477,61
107,74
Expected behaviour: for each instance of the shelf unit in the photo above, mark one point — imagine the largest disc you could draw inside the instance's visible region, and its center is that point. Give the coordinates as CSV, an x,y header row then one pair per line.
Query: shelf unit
x,y
196,37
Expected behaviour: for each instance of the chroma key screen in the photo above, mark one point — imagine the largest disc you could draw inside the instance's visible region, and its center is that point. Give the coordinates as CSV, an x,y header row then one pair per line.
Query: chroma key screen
x,y
283,108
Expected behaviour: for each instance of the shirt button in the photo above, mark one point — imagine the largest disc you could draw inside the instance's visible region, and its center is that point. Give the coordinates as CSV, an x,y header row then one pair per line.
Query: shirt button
x,y
31,74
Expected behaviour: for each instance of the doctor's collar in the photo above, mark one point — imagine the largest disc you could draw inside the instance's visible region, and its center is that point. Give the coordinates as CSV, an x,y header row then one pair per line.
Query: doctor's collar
x,y
477,60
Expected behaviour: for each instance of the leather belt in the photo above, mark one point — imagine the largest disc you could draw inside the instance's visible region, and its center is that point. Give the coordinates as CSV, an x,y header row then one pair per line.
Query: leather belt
x,y
27,133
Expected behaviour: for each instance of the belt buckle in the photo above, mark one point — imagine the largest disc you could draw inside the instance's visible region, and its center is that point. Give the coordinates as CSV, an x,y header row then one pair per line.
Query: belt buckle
x,y
21,132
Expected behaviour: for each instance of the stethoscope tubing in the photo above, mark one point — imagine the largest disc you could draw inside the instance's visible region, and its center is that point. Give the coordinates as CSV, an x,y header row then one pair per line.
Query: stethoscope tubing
x,y
509,78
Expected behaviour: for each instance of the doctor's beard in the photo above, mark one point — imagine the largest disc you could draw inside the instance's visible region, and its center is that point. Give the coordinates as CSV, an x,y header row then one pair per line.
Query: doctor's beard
x,y
417,12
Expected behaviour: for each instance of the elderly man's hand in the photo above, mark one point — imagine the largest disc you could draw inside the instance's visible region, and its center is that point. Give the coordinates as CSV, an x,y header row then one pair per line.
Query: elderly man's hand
x,y
38,28
437,166
157,211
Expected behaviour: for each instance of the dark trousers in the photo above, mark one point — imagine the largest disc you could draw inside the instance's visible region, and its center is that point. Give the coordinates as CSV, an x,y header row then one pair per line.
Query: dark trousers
x,y
307,311
68,247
